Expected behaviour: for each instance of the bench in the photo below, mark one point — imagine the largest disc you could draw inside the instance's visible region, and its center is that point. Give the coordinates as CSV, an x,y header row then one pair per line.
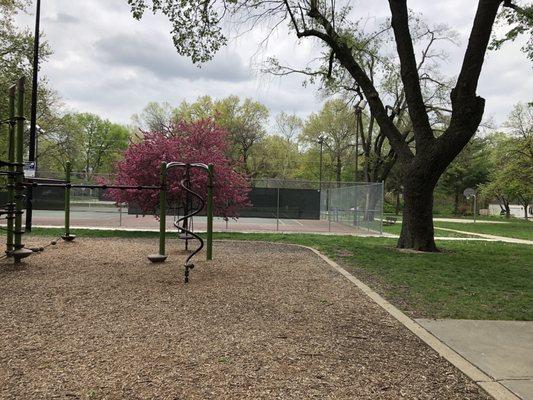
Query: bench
x,y
390,221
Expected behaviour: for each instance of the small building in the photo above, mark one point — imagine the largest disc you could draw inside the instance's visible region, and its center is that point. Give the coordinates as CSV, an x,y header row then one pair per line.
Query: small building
x,y
517,210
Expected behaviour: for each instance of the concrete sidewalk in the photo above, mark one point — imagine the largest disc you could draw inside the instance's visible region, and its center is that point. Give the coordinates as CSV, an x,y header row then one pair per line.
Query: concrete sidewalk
x,y
501,349
489,237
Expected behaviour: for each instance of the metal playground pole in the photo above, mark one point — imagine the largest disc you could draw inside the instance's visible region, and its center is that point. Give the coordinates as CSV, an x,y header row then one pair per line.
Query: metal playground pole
x,y
67,236
11,178
19,252
209,248
156,258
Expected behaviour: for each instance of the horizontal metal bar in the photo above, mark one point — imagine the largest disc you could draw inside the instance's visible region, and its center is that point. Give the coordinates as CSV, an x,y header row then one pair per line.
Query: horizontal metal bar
x,y
178,164
45,180
10,164
82,186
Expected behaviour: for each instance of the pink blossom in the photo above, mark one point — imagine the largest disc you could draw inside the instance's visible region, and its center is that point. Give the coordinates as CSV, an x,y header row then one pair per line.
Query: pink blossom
x,y
196,142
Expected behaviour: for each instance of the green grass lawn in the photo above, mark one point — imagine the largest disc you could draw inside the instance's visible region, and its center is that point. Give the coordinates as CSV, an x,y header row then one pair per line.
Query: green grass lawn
x,y
514,228
472,280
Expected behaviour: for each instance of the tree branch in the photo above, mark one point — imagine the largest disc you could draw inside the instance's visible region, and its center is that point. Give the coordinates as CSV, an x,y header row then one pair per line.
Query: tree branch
x,y
343,53
467,107
409,74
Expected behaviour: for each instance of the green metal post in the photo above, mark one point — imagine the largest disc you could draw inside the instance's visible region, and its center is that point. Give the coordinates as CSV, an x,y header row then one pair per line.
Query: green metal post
x,y
11,178
19,159
19,252
210,212
163,209
67,200
161,256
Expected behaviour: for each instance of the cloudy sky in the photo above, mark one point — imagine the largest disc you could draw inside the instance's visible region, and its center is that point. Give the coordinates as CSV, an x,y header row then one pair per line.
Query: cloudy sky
x,y
106,62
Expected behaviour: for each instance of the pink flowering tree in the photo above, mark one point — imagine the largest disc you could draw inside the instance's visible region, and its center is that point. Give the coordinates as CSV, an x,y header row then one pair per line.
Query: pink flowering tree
x,y
197,142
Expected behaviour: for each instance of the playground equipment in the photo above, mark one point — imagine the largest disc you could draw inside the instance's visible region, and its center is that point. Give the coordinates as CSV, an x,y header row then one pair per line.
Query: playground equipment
x,y
17,183
182,224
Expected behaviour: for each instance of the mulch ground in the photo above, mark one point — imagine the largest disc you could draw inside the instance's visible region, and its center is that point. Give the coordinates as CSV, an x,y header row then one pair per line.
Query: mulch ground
x,y
93,319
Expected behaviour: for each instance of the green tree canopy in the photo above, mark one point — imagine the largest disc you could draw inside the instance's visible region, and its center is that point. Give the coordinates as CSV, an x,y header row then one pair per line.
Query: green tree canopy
x,y
335,124
471,168
516,19
16,56
512,177
91,144
245,120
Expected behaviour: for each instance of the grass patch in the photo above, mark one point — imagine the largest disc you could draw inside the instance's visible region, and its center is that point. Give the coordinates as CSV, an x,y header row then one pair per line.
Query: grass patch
x,y
96,233
471,280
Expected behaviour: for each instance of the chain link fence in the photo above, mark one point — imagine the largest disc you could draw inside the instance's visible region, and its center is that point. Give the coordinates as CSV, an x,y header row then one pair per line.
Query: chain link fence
x,y
359,205
277,205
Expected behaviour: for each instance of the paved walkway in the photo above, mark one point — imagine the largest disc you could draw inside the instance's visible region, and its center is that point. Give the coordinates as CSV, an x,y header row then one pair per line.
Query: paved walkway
x,y
462,220
490,237
482,237
502,349
468,221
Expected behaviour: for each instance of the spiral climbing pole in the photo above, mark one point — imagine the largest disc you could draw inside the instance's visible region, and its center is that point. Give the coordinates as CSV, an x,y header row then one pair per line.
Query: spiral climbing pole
x,y
194,203
185,223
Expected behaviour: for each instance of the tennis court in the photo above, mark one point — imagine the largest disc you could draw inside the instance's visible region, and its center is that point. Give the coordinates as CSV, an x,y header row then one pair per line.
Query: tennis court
x,y
117,218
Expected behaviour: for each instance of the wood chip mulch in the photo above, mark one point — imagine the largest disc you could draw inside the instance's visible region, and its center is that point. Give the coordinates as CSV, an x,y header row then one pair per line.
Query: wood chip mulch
x,y
93,319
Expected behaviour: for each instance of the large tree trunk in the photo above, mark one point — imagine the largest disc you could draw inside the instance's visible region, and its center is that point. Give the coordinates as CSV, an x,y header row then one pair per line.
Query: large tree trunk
x,y
417,220
420,177
398,203
504,205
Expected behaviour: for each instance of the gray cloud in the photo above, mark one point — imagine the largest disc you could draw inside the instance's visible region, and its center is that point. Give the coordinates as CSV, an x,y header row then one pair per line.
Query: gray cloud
x,y
149,55
64,18
106,62
61,18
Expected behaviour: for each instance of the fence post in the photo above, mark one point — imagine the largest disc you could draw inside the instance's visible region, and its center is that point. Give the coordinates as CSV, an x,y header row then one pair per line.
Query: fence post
x,y
328,194
67,237
382,203
11,177
277,210
210,169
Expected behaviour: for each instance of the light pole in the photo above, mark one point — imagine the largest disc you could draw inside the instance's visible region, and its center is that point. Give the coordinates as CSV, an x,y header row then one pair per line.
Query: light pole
x,y
33,116
321,143
361,104
35,81
471,192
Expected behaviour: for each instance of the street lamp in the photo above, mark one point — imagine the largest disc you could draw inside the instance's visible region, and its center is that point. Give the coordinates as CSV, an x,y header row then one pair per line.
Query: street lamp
x,y
33,116
35,81
321,143
361,104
